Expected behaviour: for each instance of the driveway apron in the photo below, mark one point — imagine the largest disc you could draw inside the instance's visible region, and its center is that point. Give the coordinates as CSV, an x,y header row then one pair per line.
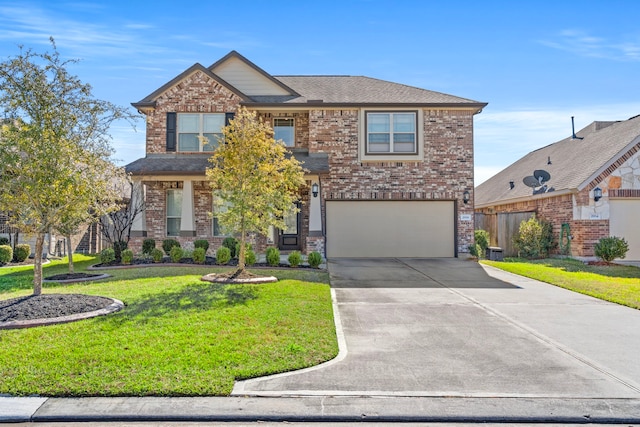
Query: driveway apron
x,y
452,327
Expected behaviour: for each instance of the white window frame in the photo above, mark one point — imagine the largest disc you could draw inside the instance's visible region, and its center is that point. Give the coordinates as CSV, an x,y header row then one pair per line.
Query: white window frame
x,y
293,126
365,156
201,132
167,216
214,218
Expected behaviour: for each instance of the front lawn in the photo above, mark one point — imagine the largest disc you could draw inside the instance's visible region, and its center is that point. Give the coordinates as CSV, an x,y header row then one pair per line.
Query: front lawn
x,y
177,335
615,283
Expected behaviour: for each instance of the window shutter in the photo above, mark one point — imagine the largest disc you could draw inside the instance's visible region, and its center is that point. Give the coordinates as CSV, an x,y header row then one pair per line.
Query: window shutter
x,y
171,131
228,117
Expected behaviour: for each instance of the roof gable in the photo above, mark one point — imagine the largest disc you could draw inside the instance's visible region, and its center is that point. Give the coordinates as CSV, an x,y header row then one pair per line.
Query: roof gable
x,y
572,163
149,100
248,77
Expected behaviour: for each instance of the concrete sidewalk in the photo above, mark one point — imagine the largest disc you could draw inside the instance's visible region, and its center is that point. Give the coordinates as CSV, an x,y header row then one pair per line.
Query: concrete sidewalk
x,y
426,341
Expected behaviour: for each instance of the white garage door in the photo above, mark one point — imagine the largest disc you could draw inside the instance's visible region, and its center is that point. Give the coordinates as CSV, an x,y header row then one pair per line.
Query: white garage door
x,y
390,229
623,222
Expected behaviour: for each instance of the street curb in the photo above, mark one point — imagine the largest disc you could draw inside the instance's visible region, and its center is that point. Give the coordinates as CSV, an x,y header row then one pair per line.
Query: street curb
x,y
335,409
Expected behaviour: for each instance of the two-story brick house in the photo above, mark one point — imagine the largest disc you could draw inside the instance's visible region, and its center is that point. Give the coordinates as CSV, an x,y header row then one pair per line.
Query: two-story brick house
x,y
389,167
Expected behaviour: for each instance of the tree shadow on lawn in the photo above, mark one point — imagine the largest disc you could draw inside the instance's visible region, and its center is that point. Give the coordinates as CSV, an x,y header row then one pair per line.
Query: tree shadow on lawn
x,y
200,297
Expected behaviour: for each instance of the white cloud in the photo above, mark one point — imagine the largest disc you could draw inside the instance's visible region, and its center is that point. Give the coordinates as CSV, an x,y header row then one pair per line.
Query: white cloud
x,y
503,137
581,43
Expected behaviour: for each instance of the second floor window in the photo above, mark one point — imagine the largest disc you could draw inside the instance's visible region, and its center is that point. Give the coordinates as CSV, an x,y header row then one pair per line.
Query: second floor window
x,y
393,132
199,132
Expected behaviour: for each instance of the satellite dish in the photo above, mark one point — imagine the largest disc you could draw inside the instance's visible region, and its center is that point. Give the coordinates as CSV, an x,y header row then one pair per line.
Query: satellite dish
x,y
531,181
541,176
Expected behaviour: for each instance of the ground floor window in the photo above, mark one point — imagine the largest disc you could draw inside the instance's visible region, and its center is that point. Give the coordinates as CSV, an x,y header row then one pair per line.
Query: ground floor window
x,y
174,211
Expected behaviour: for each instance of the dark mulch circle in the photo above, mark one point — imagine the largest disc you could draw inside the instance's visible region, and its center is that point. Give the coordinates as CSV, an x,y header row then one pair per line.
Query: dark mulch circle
x,y
49,306
72,276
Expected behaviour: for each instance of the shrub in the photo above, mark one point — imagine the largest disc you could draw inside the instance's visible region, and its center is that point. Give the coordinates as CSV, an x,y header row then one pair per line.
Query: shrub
x,y
147,246
202,243
168,244
6,254
4,241
610,248
231,243
273,256
295,258
157,255
223,255
481,238
199,255
176,254
22,252
250,257
118,247
314,259
127,256
534,239
107,256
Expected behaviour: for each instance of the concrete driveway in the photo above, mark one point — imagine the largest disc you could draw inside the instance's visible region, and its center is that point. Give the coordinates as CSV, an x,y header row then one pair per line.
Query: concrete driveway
x,y
451,327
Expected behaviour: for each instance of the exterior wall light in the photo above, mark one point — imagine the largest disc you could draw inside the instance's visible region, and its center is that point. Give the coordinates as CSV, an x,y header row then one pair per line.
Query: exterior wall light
x,y
465,197
315,189
597,193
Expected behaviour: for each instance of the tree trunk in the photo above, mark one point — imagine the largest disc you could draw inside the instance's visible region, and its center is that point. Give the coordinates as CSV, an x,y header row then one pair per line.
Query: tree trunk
x,y
242,253
37,264
68,238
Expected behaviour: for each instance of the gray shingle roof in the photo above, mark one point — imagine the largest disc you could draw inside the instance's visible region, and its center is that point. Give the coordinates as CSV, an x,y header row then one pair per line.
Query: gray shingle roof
x,y
573,161
361,90
196,164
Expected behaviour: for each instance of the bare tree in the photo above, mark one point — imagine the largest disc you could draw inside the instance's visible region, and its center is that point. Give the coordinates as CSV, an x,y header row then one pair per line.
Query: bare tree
x,y
115,226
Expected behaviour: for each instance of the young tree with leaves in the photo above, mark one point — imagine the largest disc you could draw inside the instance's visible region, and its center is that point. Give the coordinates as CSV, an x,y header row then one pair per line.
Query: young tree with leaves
x,y
53,140
254,179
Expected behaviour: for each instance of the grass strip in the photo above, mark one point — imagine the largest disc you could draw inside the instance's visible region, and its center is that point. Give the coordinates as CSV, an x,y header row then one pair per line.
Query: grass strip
x,y
614,283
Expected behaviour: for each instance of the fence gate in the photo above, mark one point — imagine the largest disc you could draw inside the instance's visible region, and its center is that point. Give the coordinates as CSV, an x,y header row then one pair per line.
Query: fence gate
x,y
502,228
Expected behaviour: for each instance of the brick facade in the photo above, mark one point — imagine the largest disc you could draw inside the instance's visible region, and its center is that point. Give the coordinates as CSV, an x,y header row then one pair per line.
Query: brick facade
x,y
445,172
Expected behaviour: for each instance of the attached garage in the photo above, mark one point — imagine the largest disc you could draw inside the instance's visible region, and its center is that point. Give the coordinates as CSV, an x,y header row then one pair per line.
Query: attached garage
x,y
623,222
402,229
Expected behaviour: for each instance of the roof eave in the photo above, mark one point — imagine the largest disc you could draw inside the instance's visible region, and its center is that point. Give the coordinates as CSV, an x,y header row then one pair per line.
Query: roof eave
x,y
462,106
526,198
608,164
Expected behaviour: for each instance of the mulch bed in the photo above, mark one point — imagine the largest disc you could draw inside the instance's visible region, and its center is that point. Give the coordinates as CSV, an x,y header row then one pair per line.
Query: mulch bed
x,y
47,306
209,261
72,276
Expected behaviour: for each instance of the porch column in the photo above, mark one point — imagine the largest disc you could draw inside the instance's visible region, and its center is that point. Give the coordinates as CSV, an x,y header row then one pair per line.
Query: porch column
x,y
139,224
315,212
187,221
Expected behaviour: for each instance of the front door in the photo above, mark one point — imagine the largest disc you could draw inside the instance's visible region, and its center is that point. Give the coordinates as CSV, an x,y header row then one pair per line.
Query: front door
x,y
289,239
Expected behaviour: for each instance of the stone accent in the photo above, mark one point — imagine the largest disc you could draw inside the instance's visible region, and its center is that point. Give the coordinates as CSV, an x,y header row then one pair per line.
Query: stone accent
x,y
314,243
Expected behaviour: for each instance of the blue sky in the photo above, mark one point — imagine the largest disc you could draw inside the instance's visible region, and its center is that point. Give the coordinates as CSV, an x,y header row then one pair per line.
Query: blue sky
x,y
535,63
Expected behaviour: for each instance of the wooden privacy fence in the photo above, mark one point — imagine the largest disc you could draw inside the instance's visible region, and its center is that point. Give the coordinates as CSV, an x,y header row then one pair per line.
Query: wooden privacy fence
x,y
502,228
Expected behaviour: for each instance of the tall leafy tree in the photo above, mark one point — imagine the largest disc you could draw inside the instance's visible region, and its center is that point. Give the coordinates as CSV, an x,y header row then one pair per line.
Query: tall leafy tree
x,y
54,145
254,178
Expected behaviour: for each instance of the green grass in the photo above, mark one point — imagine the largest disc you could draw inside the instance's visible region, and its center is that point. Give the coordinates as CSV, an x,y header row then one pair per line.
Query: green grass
x,y
615,283
177,336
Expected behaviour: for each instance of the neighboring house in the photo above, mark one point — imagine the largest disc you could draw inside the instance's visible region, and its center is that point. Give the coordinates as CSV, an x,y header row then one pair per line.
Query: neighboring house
x,y
391,163
593,190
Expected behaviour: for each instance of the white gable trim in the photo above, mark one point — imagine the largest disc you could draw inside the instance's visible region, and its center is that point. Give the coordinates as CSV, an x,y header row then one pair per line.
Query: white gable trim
x,y
247,79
